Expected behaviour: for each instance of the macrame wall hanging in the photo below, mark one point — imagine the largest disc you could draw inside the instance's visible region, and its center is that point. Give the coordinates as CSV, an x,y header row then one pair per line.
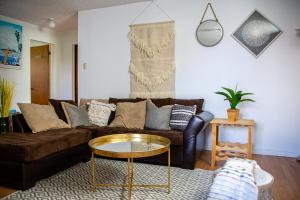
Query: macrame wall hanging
x,y
152,67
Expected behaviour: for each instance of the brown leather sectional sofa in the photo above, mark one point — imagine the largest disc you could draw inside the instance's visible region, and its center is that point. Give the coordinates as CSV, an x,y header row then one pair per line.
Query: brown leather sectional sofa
x,y
26,157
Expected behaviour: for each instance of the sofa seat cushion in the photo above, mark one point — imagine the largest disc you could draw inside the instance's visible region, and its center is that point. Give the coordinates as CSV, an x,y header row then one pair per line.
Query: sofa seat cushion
x,y
29,146
176,137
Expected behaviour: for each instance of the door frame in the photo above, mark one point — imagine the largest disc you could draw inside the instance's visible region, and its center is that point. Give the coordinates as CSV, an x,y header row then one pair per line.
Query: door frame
x,y
75,72
51,58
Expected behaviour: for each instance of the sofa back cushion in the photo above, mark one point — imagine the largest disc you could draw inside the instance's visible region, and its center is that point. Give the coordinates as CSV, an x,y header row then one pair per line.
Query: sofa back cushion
x,y
116,100
58,107
185,102
159,102
19,124
41,117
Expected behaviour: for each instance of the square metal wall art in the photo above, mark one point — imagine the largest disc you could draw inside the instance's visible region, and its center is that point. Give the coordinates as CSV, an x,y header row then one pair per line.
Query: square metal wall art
x,y
256,33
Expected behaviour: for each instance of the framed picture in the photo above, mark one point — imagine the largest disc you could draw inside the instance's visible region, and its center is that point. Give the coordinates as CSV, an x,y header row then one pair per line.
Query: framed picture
x,y
256,33
10,45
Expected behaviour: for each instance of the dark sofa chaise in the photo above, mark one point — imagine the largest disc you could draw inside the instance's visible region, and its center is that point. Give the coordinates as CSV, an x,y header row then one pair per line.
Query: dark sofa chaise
x,y
26,157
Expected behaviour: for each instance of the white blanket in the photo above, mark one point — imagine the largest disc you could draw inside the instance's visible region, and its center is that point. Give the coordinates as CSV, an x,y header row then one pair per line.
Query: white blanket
x,y
235,181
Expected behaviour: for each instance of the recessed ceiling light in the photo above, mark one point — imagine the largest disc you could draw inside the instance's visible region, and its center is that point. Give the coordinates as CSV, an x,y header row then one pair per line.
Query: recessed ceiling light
x,y
51,22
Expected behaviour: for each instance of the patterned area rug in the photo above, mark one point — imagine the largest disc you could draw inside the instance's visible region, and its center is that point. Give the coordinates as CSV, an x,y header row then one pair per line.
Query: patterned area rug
x,y
75,183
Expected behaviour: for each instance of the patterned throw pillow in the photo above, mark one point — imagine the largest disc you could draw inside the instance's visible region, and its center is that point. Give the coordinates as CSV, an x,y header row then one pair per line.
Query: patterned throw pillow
x,y
99,112
181,115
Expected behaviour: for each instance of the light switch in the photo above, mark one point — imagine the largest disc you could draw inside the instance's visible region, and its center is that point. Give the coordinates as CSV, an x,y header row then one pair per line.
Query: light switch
x,y
84,66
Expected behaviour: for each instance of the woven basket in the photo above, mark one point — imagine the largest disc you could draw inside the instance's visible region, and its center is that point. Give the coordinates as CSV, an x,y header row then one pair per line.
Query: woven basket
x,y
264,182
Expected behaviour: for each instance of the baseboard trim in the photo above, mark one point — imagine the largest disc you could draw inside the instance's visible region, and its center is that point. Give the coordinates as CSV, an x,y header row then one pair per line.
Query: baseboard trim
x,y
271,152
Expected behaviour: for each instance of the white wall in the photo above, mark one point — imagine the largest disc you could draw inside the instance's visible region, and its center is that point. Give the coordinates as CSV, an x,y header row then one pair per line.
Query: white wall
x,y
274,77
21,77
65,80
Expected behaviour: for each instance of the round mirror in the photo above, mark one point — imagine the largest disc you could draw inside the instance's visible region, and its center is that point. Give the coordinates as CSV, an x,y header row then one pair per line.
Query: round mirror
x,y
209,33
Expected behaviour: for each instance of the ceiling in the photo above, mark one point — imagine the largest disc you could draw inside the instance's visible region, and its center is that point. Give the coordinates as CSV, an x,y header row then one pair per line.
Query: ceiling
x,y
64,12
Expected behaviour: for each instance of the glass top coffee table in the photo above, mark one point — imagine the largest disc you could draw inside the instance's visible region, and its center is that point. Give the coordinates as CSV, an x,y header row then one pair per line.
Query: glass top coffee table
x,y
130,146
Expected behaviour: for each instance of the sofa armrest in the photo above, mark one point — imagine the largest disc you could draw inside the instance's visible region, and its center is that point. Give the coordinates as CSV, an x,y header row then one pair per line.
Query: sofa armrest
x,y
206,117
189,141
196,125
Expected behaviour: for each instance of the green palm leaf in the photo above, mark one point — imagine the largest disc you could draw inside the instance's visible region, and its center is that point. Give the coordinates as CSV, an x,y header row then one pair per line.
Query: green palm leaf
x,y
224,94
234,96
243,100
247,93
230,91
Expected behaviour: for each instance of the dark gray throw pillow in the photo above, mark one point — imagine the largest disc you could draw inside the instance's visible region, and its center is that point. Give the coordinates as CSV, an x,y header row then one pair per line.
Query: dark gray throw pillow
x,y
76,116
158,118
181,115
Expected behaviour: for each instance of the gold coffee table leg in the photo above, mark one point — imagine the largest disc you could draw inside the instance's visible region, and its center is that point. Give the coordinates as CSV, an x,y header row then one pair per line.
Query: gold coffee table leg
x,y
131,172
129,178
169,170
93,172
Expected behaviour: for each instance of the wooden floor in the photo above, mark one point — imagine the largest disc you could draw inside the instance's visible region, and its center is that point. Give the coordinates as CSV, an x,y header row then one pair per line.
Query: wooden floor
x,y
286,172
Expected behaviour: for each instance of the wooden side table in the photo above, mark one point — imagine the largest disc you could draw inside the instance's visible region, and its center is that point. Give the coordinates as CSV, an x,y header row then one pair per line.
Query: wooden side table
x,y
223,150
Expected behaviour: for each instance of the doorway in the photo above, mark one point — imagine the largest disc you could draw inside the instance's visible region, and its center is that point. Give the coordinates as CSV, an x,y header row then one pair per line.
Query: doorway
x,y
40,72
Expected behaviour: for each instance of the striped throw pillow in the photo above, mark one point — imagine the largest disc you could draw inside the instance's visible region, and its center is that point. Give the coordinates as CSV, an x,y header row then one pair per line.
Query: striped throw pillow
x,y
181,115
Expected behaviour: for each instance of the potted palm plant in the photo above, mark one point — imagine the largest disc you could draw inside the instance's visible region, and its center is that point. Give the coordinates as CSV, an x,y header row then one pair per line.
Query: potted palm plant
x,y
6,94
234,97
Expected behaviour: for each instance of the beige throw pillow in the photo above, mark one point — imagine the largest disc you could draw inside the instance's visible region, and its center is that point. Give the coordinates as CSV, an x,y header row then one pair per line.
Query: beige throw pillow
x,y
130,115
41,117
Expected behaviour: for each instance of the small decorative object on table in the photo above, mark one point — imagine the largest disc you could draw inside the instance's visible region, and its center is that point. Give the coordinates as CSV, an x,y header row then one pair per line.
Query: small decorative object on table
x,y
234,97
6,93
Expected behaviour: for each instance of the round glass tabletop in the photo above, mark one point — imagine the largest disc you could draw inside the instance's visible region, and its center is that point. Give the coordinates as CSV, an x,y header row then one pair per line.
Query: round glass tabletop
x,y
129,145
